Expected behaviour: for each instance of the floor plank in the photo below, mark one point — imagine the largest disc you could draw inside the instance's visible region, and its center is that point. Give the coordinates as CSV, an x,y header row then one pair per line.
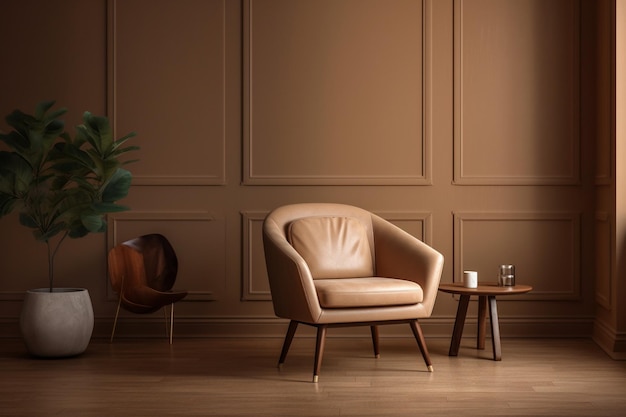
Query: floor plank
x,y
239,377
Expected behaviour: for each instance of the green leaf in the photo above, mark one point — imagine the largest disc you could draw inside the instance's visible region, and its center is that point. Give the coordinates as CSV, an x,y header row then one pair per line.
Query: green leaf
x,y
56,114
78,231
20,121
52,231
7,204
103,226
16,174
72,158
28,220
118,186
92,222
120,151
15,141
118,143
99,132
42,108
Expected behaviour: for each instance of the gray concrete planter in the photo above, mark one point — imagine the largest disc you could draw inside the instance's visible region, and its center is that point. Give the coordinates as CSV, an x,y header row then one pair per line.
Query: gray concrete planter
x,y
58,323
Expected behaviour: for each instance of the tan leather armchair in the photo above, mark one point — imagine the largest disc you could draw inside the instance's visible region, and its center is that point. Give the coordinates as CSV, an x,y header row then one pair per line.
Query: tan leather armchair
x,y
332,265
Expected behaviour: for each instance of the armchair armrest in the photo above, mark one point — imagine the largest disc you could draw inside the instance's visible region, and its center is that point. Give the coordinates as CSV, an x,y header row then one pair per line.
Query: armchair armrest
x,y
401,255
293,291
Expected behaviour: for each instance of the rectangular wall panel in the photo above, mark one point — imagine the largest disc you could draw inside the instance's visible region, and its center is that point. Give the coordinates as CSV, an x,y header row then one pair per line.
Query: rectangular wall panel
x,y
516,92
418,224
604,260
336,92
197,238
544,247
604,105
166,82
255,284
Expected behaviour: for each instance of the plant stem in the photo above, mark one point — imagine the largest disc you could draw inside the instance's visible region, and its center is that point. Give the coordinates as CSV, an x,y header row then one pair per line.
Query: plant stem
x,y
51,255
50,265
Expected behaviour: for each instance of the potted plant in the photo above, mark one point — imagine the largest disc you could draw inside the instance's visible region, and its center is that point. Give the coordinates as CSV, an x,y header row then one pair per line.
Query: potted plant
x,y
61,186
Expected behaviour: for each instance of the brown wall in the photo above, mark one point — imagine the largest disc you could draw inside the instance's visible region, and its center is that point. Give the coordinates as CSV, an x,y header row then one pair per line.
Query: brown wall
x,y
473,124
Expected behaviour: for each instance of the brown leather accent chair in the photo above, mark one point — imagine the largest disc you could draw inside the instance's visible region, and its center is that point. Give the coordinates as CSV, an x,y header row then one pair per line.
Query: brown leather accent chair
x,y
332,265
142,272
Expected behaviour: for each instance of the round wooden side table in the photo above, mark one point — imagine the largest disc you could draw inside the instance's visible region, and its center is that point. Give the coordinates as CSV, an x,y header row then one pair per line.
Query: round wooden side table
x,y
486,294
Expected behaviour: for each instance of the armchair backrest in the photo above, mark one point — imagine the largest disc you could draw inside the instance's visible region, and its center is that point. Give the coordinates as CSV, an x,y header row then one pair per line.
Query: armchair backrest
x,y
333,247
146,260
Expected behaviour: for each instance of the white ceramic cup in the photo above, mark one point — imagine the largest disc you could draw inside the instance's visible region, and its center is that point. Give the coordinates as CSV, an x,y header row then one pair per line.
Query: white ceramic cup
x,y
470,279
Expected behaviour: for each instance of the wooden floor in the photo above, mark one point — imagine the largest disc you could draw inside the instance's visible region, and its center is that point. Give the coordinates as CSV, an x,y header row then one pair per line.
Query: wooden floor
x,y
238,377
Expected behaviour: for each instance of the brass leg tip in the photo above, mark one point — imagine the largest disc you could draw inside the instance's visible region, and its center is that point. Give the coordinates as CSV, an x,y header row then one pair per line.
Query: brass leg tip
x,y
280,366
377,355
315,378
430,368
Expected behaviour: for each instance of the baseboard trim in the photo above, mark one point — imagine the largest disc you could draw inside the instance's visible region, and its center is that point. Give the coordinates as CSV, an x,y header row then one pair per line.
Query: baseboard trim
x,y
153,327
610,340
274,327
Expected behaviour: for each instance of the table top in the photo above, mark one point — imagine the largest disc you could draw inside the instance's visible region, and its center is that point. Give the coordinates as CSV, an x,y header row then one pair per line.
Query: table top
x,y
484,289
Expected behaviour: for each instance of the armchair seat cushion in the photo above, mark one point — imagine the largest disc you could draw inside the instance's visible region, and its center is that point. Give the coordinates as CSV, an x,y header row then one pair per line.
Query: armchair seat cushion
x,y
367,292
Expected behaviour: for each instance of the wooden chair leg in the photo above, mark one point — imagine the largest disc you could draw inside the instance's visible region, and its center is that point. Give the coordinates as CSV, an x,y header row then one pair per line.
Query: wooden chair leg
x,y
293,325
375,339
319,351
421,342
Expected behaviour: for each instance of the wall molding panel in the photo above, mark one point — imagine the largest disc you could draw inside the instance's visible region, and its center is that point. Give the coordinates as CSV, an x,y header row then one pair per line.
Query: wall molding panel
x,y
143,96
338,66
604,105
418,224
604,260
255,284
530,241
198,239
533,135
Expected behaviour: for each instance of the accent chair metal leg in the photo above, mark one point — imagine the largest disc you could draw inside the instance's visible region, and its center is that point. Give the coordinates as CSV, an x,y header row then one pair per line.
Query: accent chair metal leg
x,y
171,323
166,321
117,312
